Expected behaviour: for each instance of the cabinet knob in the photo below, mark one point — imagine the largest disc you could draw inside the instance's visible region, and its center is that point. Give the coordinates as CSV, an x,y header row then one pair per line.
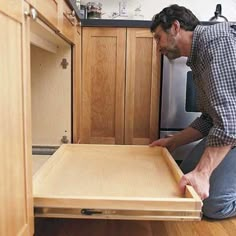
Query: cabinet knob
x,y
71,17
32,13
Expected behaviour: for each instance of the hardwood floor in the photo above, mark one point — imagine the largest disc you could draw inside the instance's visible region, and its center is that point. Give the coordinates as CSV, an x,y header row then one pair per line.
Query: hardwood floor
x,y
75,227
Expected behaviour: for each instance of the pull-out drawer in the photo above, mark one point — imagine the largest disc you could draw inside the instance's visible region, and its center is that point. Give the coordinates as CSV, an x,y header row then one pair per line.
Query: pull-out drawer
x,y
113,182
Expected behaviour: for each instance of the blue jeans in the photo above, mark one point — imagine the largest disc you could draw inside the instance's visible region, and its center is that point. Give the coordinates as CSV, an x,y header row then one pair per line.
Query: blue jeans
x,y
221,202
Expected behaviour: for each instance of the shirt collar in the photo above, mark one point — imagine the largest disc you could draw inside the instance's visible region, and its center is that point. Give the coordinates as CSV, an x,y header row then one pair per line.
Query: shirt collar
x,y
196,35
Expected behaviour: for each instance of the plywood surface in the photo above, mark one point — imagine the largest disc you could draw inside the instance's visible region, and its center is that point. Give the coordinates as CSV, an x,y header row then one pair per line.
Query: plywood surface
x,y
38,161
115,181
101,171
51,96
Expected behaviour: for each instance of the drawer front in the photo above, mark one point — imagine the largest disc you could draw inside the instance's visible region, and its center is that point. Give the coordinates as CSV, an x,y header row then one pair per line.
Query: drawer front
x,y
48,9
68,22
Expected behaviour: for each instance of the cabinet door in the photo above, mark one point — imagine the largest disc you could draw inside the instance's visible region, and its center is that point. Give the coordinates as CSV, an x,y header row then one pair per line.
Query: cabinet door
x,y
16,210
103,79
142,87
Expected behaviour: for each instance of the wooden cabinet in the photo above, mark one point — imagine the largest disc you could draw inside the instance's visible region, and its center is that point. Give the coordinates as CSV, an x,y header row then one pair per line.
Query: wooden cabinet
x,y
66,26
120,86
16,214
58,15
142,88
103,84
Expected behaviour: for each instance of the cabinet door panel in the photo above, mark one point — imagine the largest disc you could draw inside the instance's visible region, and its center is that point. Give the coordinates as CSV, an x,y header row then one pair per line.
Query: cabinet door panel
x,y
103,85
16,210
142,88
13,9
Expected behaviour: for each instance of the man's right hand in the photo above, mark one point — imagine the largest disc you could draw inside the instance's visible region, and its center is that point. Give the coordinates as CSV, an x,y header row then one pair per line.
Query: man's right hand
x,y
167,142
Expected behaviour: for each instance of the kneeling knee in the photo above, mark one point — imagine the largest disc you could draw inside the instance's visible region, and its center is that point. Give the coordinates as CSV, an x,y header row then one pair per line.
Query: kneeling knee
x,y
215,209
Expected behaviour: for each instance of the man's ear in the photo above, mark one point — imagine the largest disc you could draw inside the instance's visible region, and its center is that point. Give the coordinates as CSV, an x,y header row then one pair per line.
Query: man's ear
x,y
175,27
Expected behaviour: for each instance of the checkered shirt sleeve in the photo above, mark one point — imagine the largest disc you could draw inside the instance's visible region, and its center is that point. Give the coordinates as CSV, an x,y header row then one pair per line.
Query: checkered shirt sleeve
x,y
203,124
220,82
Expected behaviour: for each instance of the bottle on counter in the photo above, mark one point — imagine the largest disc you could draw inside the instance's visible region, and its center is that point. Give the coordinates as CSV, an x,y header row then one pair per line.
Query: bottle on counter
x,y
83,11
123,11
77,2
94,10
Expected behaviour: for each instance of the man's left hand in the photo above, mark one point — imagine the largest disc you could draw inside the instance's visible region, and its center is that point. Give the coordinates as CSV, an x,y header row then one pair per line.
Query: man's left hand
x,y
198,180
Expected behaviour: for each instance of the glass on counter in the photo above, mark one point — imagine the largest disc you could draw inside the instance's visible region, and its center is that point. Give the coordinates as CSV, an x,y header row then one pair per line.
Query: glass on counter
x,y
94,10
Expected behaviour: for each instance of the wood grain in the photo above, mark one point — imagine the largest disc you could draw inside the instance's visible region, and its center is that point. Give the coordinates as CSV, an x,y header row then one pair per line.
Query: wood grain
x,y
103,82
142,88
15,188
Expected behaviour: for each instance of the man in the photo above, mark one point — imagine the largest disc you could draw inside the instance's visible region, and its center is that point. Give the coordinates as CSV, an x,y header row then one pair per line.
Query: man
x,y
211,50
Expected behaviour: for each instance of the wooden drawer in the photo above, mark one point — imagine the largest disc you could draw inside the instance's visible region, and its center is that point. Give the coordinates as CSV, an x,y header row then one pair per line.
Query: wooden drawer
x,y
48,9
67,28
113,182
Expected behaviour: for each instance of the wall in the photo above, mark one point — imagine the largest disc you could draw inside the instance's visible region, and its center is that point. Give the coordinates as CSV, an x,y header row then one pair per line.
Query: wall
x,y
203,9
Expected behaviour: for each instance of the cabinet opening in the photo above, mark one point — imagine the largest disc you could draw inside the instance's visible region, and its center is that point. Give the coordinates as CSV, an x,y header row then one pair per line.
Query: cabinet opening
x,y
51,88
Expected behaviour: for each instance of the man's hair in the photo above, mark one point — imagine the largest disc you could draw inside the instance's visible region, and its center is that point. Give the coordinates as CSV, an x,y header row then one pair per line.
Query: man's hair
x,y
168,15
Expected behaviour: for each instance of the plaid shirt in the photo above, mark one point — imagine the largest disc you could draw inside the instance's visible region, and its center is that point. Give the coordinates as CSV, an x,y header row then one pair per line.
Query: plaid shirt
x,y
213,62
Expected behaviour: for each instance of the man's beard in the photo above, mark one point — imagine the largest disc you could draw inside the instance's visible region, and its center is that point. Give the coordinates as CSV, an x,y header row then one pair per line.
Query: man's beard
x,y
172,52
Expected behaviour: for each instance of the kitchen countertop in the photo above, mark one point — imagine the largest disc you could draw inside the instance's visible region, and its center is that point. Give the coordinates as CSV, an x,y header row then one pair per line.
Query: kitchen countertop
x,y
122,23
108,22
115,22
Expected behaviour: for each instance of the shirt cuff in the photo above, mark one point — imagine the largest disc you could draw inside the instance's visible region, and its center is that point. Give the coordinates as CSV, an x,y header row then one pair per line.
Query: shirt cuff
x,y
201,125
218,138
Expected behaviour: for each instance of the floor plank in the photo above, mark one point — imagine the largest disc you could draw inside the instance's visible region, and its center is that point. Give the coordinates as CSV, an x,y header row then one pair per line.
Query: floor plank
x,y
76,227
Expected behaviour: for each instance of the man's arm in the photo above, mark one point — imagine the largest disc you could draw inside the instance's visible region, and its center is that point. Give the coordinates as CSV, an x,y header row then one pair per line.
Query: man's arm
x,y
186,136
221,93
200,176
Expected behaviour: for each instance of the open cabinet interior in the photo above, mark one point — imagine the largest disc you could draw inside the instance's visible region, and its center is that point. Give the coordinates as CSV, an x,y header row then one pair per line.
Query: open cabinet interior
x,y
51,91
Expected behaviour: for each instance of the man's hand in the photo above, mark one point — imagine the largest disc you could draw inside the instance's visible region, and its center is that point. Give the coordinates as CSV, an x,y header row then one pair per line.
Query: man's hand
x,y
198,180
185,136
168,142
